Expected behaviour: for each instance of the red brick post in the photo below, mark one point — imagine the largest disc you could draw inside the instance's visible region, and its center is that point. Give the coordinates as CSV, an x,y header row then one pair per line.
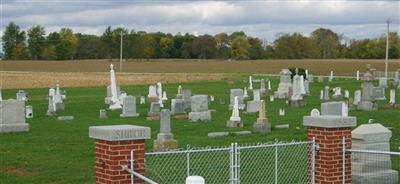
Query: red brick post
x,y
113,148
328,132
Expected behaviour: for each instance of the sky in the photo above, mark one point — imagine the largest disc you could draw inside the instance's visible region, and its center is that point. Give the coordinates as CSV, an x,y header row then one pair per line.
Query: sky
x,y
262,19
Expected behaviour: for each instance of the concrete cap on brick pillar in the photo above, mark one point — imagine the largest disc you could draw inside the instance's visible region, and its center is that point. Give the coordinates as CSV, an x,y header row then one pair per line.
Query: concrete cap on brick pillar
x,y
119,132
329,121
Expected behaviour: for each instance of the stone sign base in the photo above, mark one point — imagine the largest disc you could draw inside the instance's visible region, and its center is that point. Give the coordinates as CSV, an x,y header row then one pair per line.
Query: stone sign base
x,y
262,127
253,106
234,124
367,106
297,103
200,116
17,127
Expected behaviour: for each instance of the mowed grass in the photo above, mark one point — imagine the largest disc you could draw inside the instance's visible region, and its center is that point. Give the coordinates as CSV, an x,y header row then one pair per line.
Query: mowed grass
x,y
61,151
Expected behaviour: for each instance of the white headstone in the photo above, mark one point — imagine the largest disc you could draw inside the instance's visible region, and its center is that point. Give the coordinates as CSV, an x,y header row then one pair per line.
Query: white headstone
x,y
269,85
245,94
152,91
28,112
357,97
235,111
321,97
392,96
358,75
281,112
331,76
250,83
256,95
164,96
115,102
346,94
271,98
315,112
142,100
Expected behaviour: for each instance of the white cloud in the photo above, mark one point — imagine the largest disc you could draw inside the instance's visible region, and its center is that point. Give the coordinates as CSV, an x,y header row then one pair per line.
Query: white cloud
x,y
355,19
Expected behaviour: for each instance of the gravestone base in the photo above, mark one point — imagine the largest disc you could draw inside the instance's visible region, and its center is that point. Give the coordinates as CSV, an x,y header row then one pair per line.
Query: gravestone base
x,y
181,116
297,103
234,124
381,177
253,106
179,96
200,116
262,127
281,95
337,97
153,118
165,142
241,106
129,115
50,113
152,99
367,106
17,127
107,100
60,107
391,106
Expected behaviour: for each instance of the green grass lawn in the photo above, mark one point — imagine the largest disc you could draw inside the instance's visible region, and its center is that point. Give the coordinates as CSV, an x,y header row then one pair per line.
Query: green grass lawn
x,y
61,151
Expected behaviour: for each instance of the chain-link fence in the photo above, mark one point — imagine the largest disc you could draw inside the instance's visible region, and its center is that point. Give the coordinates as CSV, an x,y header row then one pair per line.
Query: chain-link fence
x,y
374,167
262,163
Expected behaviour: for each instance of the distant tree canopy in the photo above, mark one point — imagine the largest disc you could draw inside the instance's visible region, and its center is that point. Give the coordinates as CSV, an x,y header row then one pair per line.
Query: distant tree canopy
x,y
322,43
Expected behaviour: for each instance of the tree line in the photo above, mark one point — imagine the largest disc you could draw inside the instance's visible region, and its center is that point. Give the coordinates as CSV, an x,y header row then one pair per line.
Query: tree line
x,y
35,44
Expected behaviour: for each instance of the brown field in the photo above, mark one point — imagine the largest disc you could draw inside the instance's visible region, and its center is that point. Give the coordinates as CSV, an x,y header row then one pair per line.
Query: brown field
x,y
35,74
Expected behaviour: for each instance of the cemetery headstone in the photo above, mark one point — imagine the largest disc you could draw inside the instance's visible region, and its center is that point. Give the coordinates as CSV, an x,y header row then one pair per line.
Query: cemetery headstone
x,y
357,97
281,112
152,95
250,83
239,94
199,106
297,100
262,125
129,107
154,113
177,106
103,114
326,94
254,105
392,99
115,102
284,84
367,102
368,169
165,139
21,95
334,109
378,93
310,78
65,118
382,82
28,112
187,94
337,93
108,97
142,100
12,116
235,120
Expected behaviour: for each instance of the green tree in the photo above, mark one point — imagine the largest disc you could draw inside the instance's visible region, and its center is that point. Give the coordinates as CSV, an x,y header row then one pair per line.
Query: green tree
x,y
36,41
256,50
294,46
204,47
166,45
327,42
222,46
14,42
68,44
240,47
49,53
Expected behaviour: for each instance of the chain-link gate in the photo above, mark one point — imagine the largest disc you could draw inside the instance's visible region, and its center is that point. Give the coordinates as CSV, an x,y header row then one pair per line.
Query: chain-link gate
x,y
292,162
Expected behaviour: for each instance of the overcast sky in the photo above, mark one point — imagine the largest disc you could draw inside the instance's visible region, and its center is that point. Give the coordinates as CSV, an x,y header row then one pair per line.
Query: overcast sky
x,y
263,19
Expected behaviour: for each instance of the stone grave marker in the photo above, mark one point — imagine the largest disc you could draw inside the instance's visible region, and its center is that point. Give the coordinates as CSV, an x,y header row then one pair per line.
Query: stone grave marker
x,y
28,112
199,106
284,84
165,139
12,116
129,107
177,106
239,94
335,109
262,125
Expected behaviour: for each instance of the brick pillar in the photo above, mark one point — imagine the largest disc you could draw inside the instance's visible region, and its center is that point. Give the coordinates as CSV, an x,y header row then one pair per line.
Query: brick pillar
x,y
328,132
113,150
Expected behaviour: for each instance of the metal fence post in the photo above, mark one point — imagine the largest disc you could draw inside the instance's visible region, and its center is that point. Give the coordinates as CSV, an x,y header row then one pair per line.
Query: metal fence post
x,y
231,164
132,160
313,150
276,163
188,161
237,155
343,160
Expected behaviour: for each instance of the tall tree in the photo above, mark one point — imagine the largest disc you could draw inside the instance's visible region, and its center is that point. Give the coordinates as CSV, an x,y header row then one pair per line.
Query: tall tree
x,y
204,47
68,44
166,45
256,50
36,41
222,46
14,42
240,47
327,42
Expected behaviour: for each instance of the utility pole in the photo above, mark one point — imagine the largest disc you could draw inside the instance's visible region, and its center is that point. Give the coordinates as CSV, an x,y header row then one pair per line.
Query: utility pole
x,y
387,49
120,54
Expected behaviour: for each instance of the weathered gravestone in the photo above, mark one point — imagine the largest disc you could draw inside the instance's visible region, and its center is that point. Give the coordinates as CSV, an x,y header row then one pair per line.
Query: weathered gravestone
x,y
239,94
397,78
254,105
357,97
129,107
154,113
152,95
28,112
337,93
165,139
21,95
284,84
263,90
199,106
177,106
108,97
367,102
103,114
392,99
262,125
187,94
235,121
335,109
383,82
296,99
372,168
12,116
378,93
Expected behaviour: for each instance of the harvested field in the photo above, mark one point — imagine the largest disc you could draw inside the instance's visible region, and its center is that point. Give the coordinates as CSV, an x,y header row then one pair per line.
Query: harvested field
x,y
21,80
339,66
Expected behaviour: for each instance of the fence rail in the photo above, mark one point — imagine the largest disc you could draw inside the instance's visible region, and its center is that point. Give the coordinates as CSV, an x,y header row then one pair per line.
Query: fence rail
x,y
278,162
